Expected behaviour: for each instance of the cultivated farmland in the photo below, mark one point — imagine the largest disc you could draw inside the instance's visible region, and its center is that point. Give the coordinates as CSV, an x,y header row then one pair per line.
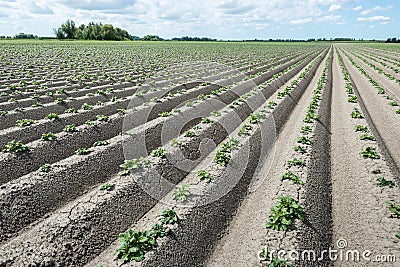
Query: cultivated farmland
x,y
198,154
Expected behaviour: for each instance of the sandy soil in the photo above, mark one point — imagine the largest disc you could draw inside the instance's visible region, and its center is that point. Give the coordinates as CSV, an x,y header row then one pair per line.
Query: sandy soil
x,y
359,213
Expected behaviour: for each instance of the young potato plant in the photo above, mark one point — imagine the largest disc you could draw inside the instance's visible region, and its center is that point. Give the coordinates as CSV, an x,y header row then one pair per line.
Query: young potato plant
x,y
121,111
176,110
168,216
300,149
48,137
394,208
101,92
223,155
272,105
134,245
25,122
310,116
16,147
256,117
101,143
60,101
84,151
245,130
103,118
206,120
62,91
159,152
204,175
133,164
107,187
52,116
45,168
370,153
366,136
176,142
202,97
305,140
86,106
361,128
356,114
382,182
215,113
70,128
189,134
90,123
165,114
285,211
292,177
181,193
71,110
296,162
159,230
305,129
352,99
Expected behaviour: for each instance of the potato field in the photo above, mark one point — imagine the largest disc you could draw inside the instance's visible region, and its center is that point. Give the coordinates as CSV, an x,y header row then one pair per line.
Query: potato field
x,y
198,154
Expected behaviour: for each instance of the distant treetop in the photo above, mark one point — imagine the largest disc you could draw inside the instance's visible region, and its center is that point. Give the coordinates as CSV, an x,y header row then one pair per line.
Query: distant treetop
x,y
22,35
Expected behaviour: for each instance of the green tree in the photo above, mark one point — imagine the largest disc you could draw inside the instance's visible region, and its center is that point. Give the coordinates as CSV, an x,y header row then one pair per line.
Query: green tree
x,y
69,29
152,38
79,32
59,33
109,33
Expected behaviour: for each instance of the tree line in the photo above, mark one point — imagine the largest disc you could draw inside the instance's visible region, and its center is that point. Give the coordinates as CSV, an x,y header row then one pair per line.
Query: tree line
x,y
393,40
195,39
92,31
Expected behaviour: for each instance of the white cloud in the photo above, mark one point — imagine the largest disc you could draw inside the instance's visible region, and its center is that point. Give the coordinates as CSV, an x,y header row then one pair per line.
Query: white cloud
x,y
261,26
374,18
376,8
300,21
96,4
39,9
335,7
332,18
328,2
357,8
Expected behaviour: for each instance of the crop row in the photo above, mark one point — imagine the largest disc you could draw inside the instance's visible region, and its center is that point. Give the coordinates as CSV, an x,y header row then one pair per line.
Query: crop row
x,y
289,208
381,90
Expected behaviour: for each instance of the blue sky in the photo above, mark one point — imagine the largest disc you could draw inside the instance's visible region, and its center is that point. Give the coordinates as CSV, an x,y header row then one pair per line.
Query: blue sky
x,y
230,19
